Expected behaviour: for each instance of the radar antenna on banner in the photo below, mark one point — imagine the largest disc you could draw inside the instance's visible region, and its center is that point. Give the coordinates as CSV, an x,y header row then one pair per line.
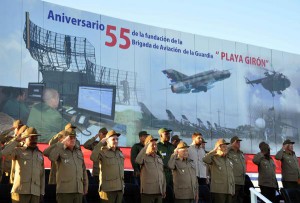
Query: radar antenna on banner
x,y
66,62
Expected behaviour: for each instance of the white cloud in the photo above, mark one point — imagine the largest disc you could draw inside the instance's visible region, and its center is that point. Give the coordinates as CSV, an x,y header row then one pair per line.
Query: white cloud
x,y
290,100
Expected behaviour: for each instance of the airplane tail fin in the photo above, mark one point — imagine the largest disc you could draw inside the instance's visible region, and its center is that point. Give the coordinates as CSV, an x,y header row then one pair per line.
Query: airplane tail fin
x,y
146,112
170,115
174,75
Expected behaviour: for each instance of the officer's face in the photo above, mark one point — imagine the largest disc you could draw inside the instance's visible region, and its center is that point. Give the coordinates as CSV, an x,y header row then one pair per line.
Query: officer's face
x,y
236,144
290,147
223,149
165,136
175,142
101,135
31,141
183,153
142,138
153,146
112,142
71,141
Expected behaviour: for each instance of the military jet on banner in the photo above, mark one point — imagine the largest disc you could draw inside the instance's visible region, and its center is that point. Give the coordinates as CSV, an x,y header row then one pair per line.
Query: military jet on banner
x,y
183,84
274,82
148,119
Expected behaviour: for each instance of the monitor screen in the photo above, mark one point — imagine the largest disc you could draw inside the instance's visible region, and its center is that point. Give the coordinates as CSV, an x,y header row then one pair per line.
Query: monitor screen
x,y
35,91
97,100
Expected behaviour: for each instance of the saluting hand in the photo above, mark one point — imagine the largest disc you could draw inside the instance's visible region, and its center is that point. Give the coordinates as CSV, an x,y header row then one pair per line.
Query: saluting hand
x,y
150,148
103,140
19,138
66,141
176,151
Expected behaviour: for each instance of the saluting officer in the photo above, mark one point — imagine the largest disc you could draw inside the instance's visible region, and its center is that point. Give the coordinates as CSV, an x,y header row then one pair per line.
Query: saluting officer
x,y
153,181
57,138
135,150
18,128
111,161
239,168
266,172
28,171
71,175
222,180
184,175
90,145
289,165
166,149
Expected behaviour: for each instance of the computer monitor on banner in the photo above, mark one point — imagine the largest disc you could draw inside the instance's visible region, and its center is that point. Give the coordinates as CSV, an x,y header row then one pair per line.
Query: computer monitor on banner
x,y
97,101
35,91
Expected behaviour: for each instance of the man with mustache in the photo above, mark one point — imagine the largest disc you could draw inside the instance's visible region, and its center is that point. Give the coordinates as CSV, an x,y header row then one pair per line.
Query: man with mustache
x,y
222,179
29,173
71,175
289,165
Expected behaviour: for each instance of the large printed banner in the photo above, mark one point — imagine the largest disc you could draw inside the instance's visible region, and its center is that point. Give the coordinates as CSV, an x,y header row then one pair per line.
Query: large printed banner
x,y
131,77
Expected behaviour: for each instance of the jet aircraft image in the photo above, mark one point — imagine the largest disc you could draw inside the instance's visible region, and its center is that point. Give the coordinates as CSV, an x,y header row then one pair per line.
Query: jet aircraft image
x,y
149,120
274,82
183,84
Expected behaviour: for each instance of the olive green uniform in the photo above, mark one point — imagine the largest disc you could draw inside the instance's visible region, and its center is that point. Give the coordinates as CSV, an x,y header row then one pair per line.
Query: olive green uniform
x,y
46,120
166,149
266,175
135,149
111,175
53,169
222,179
184,178
28,174
239,170
90,145
289,168
266,170
16,109
71,175
153,181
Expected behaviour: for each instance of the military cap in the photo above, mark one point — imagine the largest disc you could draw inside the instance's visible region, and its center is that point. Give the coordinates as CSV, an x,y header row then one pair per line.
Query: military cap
x,y
29,132
103,130
263,146
221,142
182,145
235,138
288,141
17,123
69,125
150,138
141,133
175,137
70,132
112,133
61,134
160,131
22,129
203,141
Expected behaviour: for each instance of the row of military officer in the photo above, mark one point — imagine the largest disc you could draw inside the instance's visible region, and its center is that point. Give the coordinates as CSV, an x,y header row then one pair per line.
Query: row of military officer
x,y
223,169
160,165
